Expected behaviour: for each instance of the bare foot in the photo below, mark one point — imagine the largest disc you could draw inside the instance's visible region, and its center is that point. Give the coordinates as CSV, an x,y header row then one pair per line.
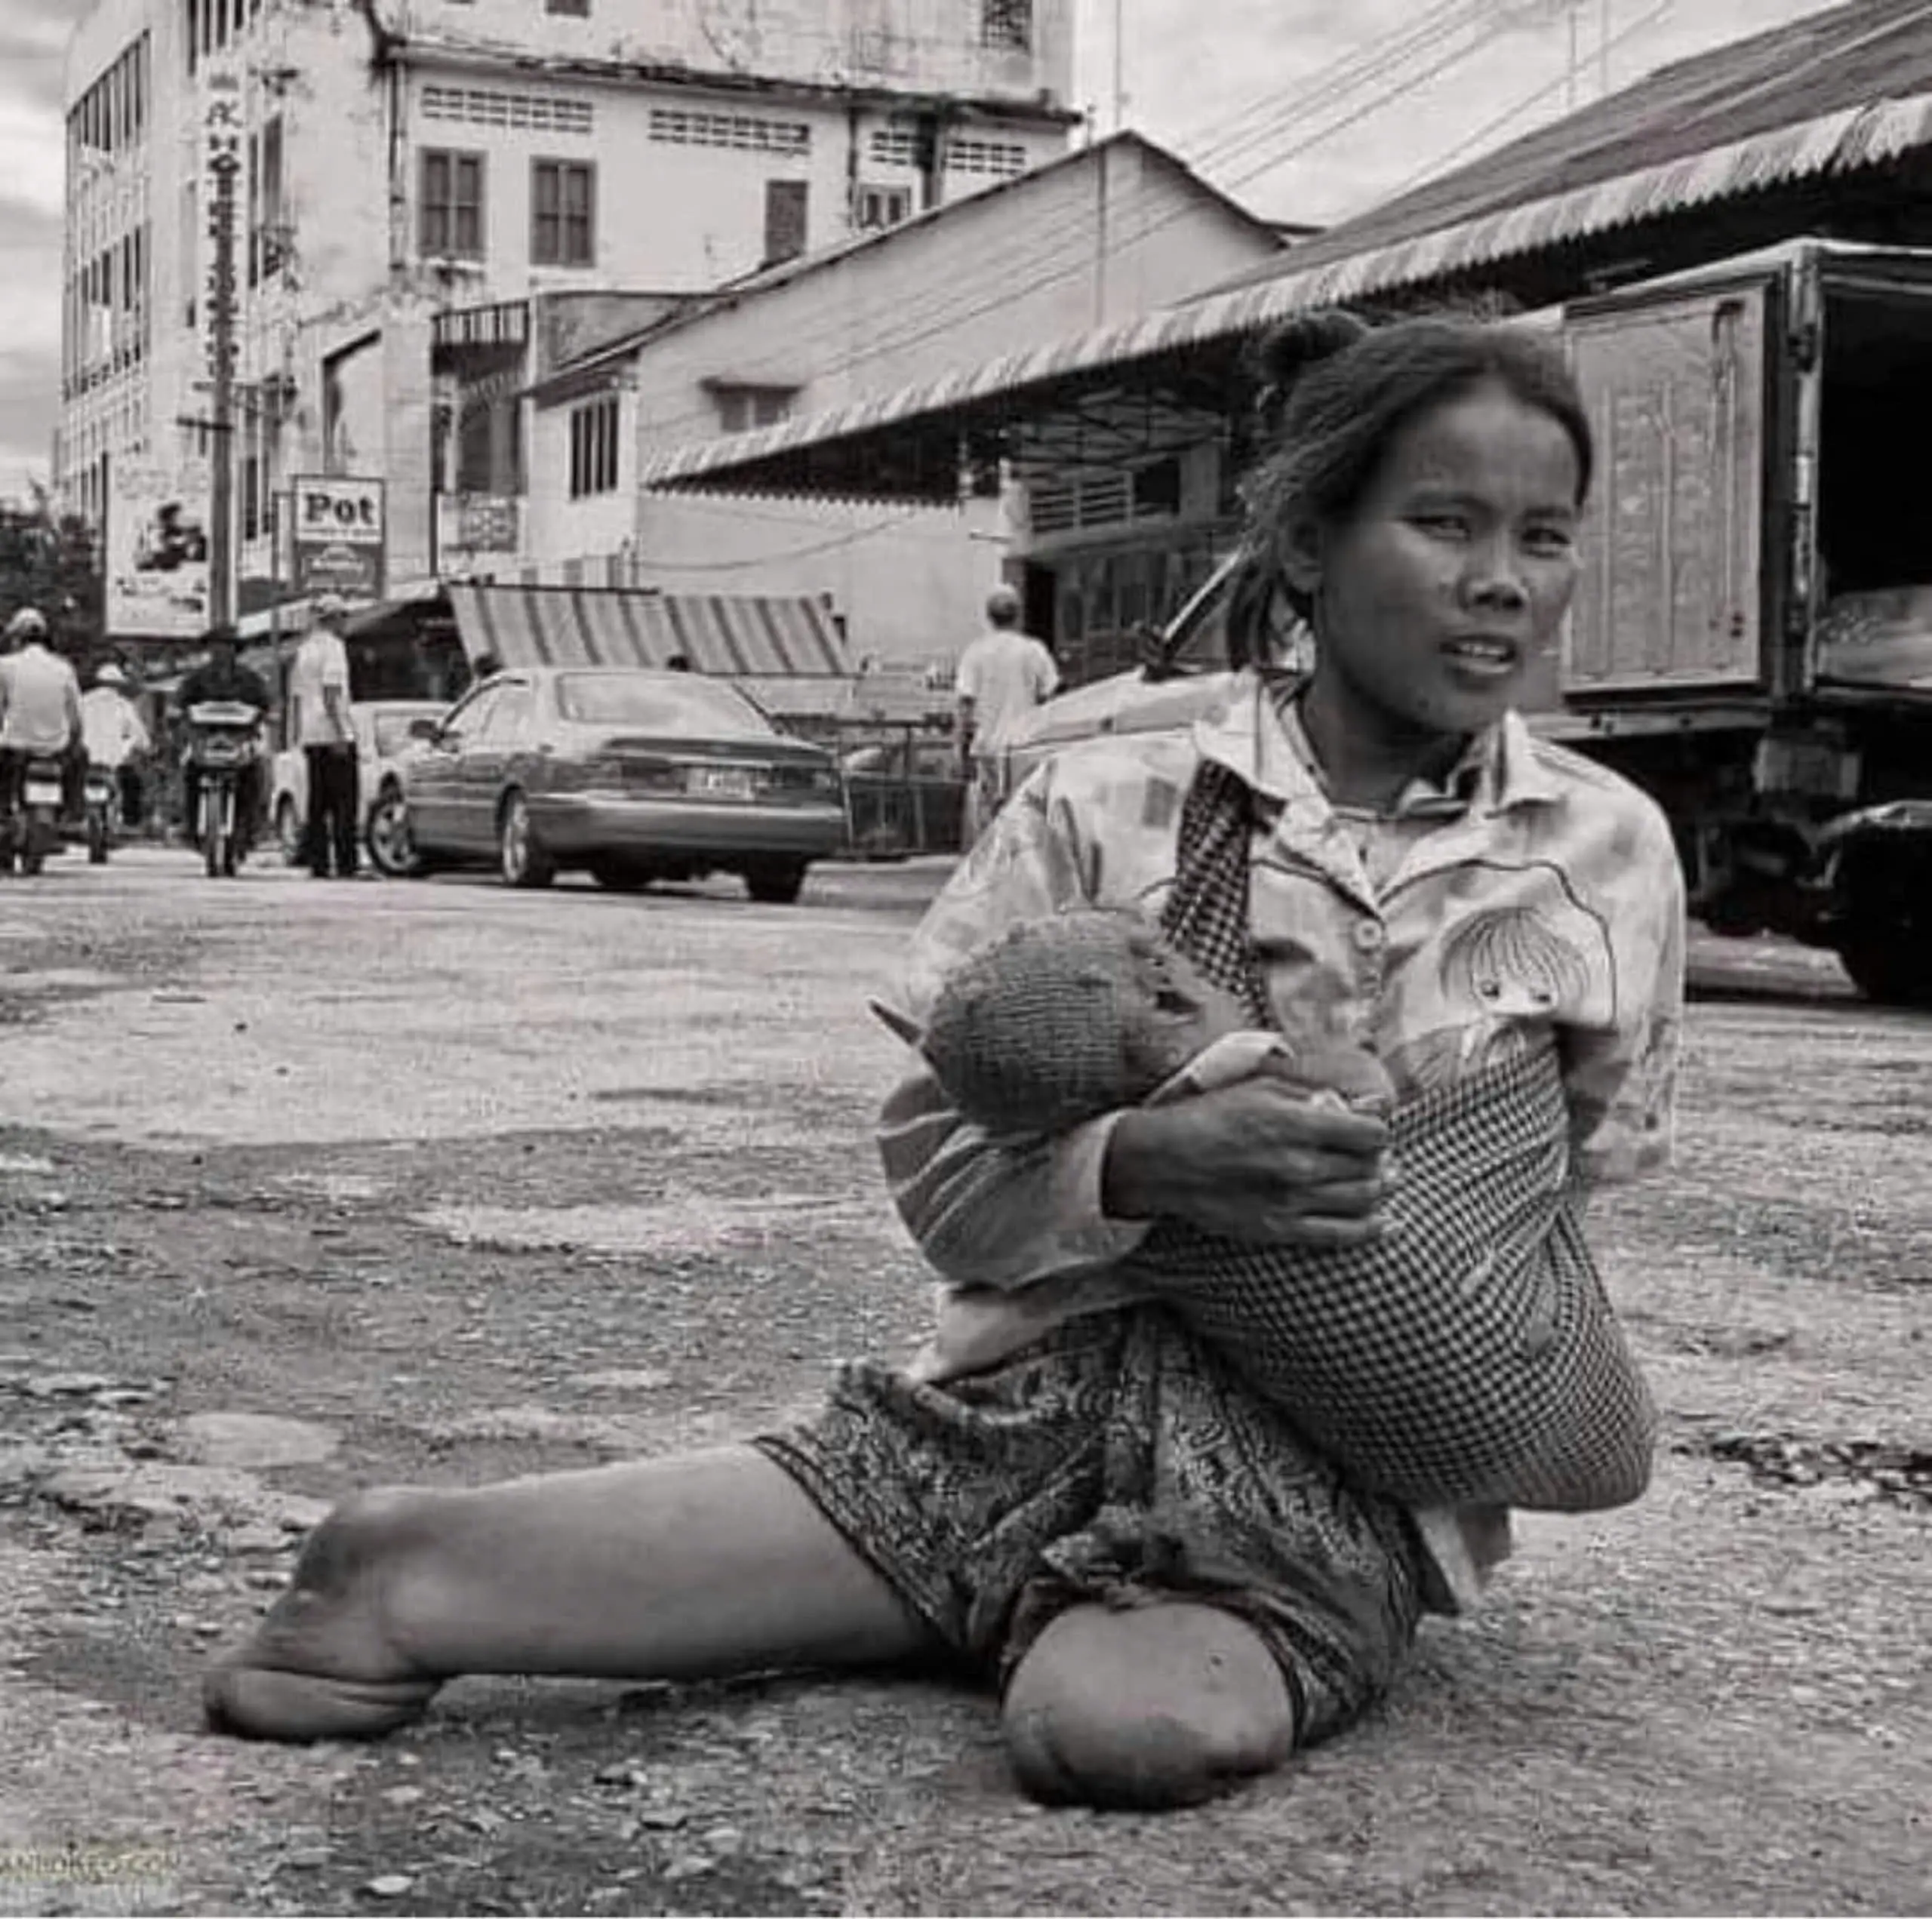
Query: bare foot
x,y
322,1664
1149,1707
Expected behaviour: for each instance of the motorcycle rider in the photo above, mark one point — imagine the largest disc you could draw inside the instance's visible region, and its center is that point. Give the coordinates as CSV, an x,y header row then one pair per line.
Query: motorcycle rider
x,y
115,738
222,677
40,715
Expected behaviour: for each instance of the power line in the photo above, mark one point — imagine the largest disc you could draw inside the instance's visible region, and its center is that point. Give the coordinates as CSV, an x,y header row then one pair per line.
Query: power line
x,y
639,563
1351,70
1528,100
1380,63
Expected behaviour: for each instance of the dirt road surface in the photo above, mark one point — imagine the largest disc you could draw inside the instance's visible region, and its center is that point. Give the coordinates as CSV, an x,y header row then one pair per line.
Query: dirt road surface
x,y
303,1186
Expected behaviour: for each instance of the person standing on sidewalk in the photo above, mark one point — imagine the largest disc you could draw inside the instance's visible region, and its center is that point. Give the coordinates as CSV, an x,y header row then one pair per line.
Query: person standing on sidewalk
x,y
1003,674
319,686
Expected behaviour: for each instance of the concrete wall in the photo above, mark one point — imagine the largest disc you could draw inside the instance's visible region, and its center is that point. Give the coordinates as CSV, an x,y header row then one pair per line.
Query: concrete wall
x,y
557,526
909,582
995,274
933,45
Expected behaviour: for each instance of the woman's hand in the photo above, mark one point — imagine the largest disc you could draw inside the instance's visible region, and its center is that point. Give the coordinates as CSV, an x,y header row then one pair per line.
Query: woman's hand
x,y
1254,1161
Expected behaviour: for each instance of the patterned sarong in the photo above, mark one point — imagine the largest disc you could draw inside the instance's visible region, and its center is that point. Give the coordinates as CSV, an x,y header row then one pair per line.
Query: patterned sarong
x,y
1467,1356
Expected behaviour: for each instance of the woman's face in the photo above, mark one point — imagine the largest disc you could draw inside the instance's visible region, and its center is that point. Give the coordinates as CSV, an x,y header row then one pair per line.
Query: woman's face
x,y
1453,570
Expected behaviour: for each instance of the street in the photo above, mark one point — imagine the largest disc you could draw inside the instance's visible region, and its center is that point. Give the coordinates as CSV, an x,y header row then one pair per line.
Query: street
x,y
308,1186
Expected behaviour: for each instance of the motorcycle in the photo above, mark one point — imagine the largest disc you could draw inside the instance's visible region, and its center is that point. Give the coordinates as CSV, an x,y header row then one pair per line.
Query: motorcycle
x,y
222,740
102,804
34,831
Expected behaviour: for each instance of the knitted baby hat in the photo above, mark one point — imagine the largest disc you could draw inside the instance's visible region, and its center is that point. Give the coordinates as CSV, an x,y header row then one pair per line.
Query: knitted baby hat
x,y
1060,1019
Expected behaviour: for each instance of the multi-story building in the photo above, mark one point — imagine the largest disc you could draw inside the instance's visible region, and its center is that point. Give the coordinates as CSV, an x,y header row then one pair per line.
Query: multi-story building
x,y
406,162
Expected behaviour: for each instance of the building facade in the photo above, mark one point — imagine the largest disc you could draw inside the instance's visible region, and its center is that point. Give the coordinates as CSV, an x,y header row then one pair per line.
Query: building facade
x,y
1114,231
400,164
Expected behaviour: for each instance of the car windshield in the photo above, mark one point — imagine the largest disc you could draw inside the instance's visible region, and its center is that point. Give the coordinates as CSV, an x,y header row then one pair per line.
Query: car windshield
x,y
656,703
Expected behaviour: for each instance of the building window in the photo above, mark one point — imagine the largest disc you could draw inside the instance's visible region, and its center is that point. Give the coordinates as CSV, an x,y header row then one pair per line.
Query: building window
x,y
581,8
450,222
493,107
594,447
688,126
1006,24
563,213
875,206
741,407
785,202
999,157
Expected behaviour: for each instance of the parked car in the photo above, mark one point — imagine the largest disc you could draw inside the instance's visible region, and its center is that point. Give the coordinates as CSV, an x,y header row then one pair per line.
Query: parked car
x,y
631,774
381,735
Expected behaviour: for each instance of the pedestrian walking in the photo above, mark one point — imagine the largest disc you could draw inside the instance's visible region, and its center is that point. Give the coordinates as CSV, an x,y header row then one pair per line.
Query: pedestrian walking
x,y
1002,675
319,689
1173,1586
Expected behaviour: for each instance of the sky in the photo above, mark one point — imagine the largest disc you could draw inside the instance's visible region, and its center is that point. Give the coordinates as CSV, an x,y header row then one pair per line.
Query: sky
x,y
1306,110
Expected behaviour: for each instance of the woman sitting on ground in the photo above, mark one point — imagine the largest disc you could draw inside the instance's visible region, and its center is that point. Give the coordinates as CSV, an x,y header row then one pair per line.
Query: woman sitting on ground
x,y
1173,1588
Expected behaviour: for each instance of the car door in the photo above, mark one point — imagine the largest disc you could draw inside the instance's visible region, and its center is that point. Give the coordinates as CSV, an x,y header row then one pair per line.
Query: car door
x,y
500,737
434,773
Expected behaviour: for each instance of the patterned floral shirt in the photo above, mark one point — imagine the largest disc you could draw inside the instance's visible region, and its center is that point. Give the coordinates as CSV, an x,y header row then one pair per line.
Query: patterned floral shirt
x,y
1534,899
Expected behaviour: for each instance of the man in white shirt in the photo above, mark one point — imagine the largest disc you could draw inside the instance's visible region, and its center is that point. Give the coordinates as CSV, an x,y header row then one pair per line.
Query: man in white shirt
x,y
115,737
318,688
1002,675
40,714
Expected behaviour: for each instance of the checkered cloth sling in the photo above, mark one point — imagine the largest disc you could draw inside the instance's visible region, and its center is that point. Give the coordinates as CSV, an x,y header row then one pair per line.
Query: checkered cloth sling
x,y
1467,1355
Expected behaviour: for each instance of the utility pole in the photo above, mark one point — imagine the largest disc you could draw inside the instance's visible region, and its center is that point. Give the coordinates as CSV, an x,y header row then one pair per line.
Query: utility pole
x,y
1120,65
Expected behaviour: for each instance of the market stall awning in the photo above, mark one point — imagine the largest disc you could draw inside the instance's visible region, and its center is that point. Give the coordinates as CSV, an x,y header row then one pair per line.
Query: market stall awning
x,y
739,635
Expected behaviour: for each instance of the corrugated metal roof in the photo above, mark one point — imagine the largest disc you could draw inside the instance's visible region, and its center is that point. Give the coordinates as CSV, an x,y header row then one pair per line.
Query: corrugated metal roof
x,y
1845,63
1844,90
741,635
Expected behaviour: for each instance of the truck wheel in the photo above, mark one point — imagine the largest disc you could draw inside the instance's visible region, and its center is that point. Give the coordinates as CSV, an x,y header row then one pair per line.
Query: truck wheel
x,y
1890,963
1885,938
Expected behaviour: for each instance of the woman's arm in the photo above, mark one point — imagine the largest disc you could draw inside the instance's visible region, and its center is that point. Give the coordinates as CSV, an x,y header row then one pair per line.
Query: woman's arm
x,y
1621,1079
1251,1159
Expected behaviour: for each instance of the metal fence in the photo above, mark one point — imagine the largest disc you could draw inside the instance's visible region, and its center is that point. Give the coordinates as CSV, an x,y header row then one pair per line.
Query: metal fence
x,y
904,795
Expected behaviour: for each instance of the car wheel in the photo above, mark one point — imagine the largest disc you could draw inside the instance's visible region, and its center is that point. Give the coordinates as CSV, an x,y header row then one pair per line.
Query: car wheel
x,y
520,855
288,830
392,846
776,882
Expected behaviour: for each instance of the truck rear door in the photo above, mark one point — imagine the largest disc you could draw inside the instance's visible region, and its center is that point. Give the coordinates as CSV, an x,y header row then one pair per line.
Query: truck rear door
x,y
1671,597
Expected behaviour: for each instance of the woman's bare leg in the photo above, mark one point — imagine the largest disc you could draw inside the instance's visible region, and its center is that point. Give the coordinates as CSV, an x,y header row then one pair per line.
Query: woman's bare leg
x,y
704,1563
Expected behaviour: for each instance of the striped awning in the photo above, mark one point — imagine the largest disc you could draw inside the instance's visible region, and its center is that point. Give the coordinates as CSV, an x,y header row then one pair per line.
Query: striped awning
x,y
779,457
741,635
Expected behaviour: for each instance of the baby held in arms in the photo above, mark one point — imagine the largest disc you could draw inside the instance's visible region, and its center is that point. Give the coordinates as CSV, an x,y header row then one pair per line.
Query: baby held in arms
x,y
1465,1354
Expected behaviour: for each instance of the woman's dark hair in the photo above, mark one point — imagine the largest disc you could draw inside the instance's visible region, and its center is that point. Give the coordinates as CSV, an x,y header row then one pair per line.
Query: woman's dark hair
x,y
1335,392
